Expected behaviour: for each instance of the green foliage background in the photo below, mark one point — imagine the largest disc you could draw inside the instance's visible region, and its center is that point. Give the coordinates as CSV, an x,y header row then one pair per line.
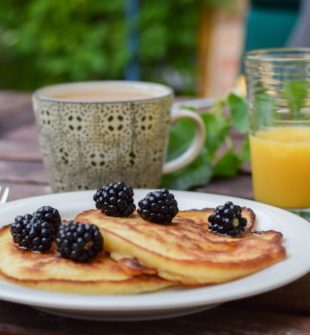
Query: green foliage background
x,y
49,41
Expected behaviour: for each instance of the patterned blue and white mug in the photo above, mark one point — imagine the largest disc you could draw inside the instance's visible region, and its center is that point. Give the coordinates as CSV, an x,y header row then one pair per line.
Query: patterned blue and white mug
x,y
92,133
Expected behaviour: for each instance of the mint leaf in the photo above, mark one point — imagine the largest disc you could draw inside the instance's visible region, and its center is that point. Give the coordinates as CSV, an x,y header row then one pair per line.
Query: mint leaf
x,y
238,109
264,106
197,173
180,137
217,128
245,153
296,93
228,165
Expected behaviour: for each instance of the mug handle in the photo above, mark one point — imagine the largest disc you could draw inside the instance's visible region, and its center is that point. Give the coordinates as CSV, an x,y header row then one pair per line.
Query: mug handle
x,y
196,146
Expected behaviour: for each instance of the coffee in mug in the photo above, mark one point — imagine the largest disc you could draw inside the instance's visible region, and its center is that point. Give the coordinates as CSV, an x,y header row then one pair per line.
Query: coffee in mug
x,y
92,133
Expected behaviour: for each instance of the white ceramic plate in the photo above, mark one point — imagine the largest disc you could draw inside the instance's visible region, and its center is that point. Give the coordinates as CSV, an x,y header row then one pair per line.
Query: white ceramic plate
x,y
169,302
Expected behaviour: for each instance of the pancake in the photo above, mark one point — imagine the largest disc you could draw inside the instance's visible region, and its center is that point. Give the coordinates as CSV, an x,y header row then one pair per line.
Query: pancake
x,y
185,251
201,216
48,271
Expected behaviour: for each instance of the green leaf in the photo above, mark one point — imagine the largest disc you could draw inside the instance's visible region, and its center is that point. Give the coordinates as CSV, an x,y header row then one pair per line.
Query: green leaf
x,y
264,106
238,109
245,153
197,173
296,93
228,165
217,128
180,137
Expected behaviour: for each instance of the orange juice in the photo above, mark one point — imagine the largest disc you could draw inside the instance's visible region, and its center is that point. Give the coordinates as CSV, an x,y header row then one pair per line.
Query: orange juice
x,y
280,159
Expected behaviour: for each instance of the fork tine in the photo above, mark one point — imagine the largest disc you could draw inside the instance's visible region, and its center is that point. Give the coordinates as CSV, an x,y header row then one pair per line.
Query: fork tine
x,y
4,196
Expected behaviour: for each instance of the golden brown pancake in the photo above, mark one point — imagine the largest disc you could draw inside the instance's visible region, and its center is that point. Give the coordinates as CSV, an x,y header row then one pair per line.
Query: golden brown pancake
x,y
185,250
201,216
48,271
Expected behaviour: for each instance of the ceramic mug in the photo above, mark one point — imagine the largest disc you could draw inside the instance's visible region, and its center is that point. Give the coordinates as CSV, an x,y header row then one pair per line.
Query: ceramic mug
x,y
92,133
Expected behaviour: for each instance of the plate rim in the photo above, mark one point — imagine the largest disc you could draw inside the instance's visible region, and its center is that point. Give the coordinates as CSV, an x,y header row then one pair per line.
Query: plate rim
x,y
29,299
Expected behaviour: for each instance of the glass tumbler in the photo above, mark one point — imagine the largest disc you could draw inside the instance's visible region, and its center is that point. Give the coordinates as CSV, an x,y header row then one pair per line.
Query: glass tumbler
x,y
278,86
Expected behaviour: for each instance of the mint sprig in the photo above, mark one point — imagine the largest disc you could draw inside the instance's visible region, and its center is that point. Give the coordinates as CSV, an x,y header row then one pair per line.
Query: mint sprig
x,y
296,93
226,115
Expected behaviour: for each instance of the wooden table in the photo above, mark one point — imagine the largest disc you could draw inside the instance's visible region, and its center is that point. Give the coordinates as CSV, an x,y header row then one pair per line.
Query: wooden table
x,y
282,311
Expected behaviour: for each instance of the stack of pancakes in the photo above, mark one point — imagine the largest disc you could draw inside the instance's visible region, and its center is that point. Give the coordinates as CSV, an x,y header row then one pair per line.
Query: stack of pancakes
x,y
141,256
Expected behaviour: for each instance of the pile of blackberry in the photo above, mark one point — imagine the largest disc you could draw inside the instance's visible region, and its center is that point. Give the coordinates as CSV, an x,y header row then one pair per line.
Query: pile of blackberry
x,y
37,232
115,199
33,233
78,241
158,207
82,242
49,214
228,220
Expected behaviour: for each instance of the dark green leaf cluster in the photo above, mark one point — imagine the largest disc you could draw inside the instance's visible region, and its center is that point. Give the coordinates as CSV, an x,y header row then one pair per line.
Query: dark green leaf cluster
x,y
219,156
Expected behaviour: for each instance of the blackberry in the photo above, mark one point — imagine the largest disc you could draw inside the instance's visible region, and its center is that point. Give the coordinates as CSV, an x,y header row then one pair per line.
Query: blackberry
x,y
228,220
79,241
32,233
115,199
158,207
49,214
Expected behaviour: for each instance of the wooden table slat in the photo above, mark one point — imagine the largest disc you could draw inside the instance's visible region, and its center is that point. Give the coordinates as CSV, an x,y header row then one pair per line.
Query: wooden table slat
x,y
24,132
222,320
20,150
22,172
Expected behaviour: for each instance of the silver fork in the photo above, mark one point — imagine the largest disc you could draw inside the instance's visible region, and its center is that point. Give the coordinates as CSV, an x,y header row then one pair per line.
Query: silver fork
x,y
4,194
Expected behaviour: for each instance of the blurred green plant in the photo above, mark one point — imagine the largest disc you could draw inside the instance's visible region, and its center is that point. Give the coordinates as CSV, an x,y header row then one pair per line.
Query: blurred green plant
x,y
228,115
219,156
48,41
296,93
265,112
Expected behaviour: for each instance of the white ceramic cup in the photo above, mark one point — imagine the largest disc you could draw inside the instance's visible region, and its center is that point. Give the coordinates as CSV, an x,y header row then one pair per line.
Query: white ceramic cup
x,y
92,133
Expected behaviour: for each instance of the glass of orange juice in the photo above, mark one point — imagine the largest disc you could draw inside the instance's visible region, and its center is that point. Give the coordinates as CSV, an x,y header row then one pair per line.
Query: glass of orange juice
x,y
278,86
